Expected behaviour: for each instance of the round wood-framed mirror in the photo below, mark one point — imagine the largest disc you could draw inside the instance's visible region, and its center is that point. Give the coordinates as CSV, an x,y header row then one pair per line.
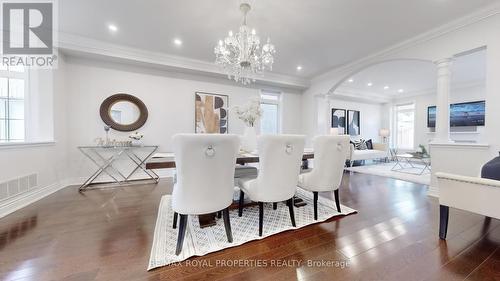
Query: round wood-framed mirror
x,y
124,112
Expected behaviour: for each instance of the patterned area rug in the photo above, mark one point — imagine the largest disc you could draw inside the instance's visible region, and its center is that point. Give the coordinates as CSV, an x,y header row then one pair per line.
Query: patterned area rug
x,y
384,170
201,241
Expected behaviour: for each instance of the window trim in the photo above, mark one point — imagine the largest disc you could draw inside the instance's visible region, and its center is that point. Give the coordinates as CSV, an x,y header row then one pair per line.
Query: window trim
x,y
25,76
276,102
396,111
26,144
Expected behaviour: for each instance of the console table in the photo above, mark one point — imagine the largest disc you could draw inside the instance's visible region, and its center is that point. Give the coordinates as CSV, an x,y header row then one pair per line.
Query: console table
x,y
105,158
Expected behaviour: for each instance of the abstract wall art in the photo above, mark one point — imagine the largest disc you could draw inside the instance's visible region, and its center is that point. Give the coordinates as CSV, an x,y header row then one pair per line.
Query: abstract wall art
x,y
339,120
353,123
211,116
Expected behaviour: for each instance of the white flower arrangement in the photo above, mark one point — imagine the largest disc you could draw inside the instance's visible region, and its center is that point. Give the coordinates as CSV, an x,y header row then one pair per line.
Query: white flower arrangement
x,y
136,136
249,113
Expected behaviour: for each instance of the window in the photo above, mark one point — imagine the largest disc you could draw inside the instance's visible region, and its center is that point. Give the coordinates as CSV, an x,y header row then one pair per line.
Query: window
x,y
405,126
12,104
269,104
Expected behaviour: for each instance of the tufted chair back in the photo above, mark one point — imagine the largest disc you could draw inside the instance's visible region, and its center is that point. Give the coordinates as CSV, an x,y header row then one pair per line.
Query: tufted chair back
x,y
330,154
205,172
280,161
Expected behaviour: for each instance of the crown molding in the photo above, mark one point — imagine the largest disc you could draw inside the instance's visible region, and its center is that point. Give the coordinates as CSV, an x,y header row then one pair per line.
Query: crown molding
x,y
362,95
430,91
477,16
84,45
356,94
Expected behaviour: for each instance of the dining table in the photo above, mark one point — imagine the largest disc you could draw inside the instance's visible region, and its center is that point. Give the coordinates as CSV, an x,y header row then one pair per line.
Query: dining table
x,y
166,160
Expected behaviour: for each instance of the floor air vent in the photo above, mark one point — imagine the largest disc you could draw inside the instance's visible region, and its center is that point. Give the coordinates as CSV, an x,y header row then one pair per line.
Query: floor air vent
x,y
18,186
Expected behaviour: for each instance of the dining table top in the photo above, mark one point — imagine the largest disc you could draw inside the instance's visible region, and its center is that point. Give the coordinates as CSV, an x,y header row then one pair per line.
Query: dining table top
x,y
166,160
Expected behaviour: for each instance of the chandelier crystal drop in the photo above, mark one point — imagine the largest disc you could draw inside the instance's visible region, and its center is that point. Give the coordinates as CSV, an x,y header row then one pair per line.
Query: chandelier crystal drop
x,y
240,54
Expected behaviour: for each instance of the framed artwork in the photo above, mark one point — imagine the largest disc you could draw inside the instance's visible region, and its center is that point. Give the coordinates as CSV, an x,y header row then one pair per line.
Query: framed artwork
x,y
339,120
211,113
353,123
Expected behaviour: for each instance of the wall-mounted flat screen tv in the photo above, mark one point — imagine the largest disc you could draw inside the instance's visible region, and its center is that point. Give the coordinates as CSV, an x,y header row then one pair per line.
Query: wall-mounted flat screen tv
x,y
461,114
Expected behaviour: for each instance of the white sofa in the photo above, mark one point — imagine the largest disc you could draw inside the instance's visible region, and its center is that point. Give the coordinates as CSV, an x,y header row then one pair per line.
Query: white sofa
x,y
476,195
379,151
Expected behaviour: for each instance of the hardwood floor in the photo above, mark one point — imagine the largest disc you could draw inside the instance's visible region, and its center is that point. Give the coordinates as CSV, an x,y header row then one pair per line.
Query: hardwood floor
x,y
107,235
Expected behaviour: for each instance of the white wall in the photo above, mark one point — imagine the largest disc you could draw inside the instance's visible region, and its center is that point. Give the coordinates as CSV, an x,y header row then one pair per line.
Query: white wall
x,y
168,97
49,161
370,117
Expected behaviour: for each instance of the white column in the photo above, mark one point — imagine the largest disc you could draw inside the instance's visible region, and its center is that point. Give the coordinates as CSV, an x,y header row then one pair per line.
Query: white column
x,y
443,100
323,110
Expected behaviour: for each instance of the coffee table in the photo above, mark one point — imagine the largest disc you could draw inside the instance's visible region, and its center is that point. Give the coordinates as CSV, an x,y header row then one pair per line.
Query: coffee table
x,y
406,161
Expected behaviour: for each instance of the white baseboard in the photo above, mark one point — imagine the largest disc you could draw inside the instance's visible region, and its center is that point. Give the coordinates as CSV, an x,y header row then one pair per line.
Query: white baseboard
x,y
22,200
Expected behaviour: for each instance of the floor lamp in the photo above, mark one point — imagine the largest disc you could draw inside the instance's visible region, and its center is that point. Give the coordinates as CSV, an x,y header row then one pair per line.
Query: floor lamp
x,y
384,133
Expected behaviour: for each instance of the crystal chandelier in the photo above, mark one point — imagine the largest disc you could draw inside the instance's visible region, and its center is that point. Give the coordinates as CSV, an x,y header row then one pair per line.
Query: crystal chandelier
x,y
241,56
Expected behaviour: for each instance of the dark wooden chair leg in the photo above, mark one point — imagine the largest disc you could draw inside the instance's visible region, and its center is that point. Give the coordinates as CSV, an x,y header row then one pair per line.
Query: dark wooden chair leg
x,y
261,217
444,213
219,214
227,225
315,201
182,233
240,204
275,206
175,220
337,200
290,209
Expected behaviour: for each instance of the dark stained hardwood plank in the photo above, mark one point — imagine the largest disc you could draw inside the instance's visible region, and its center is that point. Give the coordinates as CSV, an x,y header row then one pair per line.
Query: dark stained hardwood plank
x,y
488,270
459,267
107,234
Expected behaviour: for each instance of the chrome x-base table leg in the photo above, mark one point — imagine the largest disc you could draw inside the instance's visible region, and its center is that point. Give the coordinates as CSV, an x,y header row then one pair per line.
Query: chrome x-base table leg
x,y
140,165
99,156
106,163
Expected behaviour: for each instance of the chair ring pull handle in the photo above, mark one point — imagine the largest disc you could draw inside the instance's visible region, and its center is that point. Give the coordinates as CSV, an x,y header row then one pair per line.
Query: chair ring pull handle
x,y
289,149
210,151
339,146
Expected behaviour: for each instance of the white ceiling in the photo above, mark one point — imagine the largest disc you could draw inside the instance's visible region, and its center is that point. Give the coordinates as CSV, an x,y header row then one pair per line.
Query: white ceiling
x,y
318,34
414,77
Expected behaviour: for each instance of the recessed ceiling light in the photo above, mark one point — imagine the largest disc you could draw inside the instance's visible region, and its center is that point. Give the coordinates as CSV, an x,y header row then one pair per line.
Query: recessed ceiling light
x,y
177,41
386,88
350,80
299,67
401,91
112,28
369,84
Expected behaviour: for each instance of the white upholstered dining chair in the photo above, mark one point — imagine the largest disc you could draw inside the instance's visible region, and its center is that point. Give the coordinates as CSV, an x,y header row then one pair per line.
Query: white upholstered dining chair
x,y
330,154
280,158
205,178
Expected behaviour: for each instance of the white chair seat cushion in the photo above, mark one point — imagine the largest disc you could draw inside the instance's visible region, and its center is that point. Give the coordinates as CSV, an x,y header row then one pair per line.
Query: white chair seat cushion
x,y
305,182
247,185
